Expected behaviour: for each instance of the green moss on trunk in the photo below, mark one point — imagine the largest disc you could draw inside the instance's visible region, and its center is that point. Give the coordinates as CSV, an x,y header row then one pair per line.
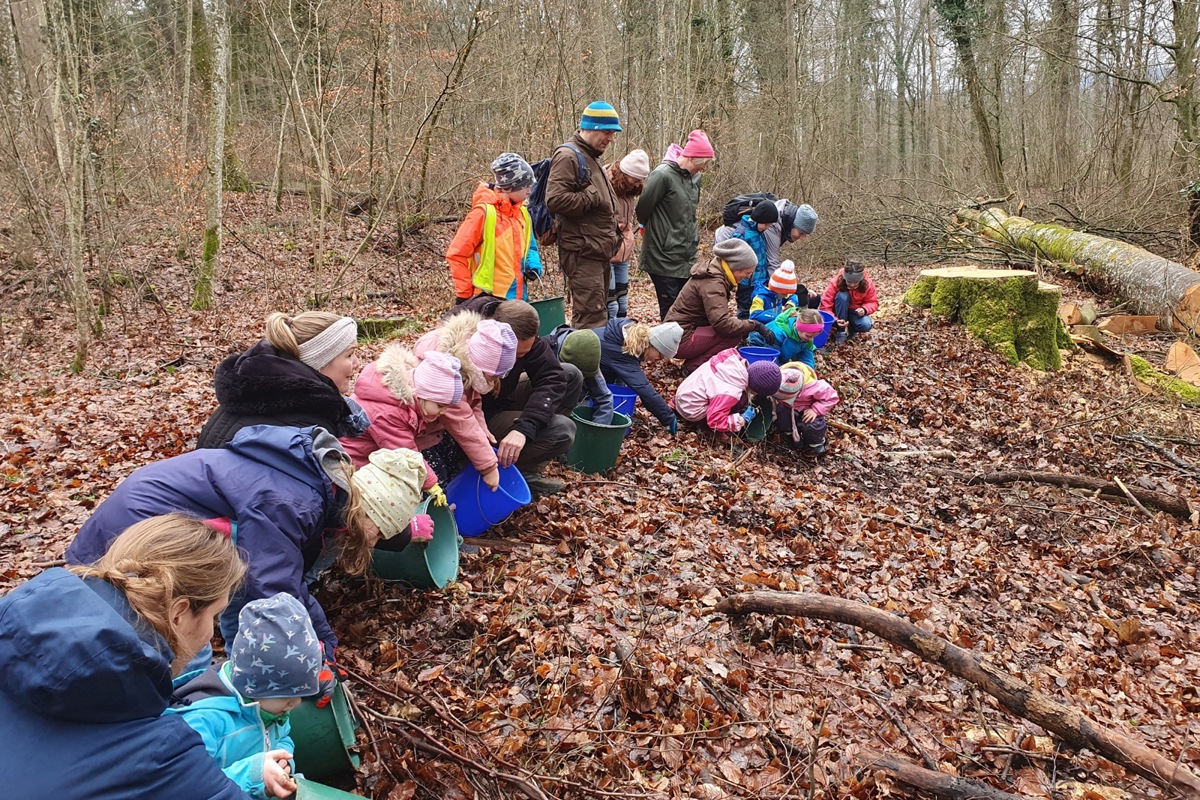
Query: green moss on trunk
x,y
1145,372
202,294
1008,309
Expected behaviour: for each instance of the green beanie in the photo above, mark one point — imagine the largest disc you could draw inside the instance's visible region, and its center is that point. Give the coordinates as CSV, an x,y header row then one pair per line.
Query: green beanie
x,y
582,348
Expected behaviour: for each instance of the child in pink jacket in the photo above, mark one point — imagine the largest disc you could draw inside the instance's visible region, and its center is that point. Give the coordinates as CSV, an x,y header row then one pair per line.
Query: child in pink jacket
x,y
717,394
801,405
402,395
487,350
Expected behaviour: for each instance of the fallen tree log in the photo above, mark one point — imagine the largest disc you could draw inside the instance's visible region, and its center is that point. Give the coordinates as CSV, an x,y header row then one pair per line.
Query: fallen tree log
x,y
1153,285
1016,696
1175,506
948,787
1013,312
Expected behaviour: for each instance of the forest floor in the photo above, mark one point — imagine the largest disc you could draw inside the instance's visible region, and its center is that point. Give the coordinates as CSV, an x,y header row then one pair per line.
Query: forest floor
x,y
517,668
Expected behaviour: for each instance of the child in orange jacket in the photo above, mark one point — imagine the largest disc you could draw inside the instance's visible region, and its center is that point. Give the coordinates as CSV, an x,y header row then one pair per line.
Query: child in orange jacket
x,y
490,246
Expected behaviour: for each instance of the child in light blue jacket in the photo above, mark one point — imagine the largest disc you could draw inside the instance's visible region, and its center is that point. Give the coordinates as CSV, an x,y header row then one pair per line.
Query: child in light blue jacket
x,y
240,708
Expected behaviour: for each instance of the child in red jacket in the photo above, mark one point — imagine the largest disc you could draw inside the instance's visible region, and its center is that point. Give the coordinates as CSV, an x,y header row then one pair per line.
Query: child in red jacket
x,y
851,298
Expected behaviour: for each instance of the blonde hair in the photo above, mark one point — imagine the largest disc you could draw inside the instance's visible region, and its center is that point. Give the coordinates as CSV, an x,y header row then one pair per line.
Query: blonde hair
x,y
810,315
162,559
286,334
355,555
637,339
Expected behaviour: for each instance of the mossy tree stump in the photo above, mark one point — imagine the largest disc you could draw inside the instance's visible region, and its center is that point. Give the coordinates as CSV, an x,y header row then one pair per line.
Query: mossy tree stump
x,y
1009,309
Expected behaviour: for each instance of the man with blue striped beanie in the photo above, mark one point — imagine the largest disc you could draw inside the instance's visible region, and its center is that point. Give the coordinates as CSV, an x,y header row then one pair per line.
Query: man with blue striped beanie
x,y
579,193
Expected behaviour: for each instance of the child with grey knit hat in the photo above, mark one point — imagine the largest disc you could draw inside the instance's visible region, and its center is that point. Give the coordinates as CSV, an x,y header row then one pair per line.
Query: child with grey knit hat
x,y
240,708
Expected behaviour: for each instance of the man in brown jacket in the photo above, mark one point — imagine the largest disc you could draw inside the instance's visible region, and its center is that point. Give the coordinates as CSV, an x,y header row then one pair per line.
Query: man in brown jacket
x,y
702,308
588,234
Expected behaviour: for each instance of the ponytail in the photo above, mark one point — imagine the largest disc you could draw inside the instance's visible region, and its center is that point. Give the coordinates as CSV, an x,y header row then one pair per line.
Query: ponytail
x,y
286,334
162,559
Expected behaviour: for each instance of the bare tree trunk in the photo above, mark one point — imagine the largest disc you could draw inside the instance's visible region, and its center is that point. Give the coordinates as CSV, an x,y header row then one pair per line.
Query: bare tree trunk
x,y
210,257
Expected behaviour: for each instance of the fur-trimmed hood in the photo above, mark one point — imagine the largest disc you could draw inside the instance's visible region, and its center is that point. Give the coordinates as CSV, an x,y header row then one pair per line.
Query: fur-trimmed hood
x,y
453,337
393,374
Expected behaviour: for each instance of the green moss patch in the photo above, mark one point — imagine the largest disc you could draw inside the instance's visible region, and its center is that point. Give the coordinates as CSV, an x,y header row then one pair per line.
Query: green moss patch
x,y
1145,372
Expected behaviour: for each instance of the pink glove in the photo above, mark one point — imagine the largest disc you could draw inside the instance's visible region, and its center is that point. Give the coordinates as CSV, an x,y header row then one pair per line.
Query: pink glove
x,y
421,528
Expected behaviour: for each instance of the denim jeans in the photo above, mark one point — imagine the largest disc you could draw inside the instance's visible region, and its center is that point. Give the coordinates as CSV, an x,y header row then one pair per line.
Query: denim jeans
x,y
618,290
842,310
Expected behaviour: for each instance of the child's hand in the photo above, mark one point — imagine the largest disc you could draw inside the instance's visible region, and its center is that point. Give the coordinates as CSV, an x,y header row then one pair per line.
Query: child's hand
x,y
277,778
750,413
862,312
809,415
491,478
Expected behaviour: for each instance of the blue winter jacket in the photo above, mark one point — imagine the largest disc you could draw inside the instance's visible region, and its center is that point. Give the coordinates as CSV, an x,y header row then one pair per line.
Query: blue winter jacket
x,y
626,370
232,729
767,304
267,480
790,346
747,231
85,684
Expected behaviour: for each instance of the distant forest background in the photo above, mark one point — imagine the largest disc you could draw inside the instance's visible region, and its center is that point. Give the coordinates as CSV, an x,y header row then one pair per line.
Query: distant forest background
x,y
884,115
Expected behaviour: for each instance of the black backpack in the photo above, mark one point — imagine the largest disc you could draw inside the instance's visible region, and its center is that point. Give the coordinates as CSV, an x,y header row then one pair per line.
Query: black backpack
x,y
742,205
545,226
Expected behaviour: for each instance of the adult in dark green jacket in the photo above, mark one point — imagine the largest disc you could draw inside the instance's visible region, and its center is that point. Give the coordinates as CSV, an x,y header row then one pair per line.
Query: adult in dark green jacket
x,y
667,209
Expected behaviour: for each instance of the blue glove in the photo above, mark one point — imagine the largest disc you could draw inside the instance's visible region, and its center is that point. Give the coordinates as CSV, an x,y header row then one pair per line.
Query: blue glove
x,y
674,426
750,413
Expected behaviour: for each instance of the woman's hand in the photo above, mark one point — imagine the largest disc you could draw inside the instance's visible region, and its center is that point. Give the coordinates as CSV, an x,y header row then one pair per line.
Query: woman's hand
x,y
277,777
510,448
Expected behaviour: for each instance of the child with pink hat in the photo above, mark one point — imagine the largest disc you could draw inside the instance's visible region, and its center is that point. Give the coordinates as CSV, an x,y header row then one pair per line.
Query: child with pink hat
x,y
487,350
801,406
402,395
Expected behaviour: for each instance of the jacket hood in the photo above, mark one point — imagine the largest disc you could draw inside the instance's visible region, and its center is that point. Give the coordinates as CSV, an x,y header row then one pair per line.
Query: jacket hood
x,y
287,450
709,269
261,381
453,338
74,650
486,194
393,369
730,367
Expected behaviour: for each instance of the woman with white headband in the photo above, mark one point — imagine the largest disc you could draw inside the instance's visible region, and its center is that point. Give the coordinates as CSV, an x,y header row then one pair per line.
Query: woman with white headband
x,y
298,375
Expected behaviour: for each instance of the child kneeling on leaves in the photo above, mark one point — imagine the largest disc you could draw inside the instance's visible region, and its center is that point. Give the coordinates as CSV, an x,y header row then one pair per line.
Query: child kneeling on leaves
x,y
240,708
719,393
794,330
801,405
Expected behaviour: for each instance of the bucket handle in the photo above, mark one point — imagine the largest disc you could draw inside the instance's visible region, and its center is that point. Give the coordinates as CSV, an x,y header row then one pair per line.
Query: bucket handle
x,y
479,503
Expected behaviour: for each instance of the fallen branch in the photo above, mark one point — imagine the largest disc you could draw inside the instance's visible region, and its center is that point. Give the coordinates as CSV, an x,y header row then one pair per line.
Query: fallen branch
x,y
1183,465
1132,499
1174,506
842,426
939,453
949,787
897,521
1016,696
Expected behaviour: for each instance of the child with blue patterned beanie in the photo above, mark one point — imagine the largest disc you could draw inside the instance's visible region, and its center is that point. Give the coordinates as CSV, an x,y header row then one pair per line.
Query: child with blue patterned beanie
x,y
240,708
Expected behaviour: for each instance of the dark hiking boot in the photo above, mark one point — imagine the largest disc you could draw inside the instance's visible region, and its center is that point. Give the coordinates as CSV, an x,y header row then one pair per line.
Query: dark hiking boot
x,y
540,485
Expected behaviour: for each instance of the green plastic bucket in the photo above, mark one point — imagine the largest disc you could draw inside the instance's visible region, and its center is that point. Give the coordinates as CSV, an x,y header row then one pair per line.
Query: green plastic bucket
x,y
760,426
552,312
596,447
323,737
310,790
425,565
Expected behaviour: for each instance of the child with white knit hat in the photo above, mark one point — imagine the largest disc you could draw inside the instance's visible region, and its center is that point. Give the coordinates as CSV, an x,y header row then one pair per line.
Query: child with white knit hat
x,y
240,708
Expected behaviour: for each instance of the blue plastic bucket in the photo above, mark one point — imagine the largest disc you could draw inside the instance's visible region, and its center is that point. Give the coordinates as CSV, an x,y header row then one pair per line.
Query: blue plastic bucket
x,y
477,507
624,399
425,565
823,337
752,354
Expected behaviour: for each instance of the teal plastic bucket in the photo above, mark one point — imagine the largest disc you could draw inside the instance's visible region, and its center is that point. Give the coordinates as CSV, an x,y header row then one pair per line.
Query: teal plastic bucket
x,y
760,426
752,354
425,565
821,338
552,312
323,737
311,790
596,447
477,507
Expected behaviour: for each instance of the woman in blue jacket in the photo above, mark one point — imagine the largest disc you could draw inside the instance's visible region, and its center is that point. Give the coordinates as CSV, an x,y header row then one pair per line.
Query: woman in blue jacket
x,y
87,656
282,489
625,345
